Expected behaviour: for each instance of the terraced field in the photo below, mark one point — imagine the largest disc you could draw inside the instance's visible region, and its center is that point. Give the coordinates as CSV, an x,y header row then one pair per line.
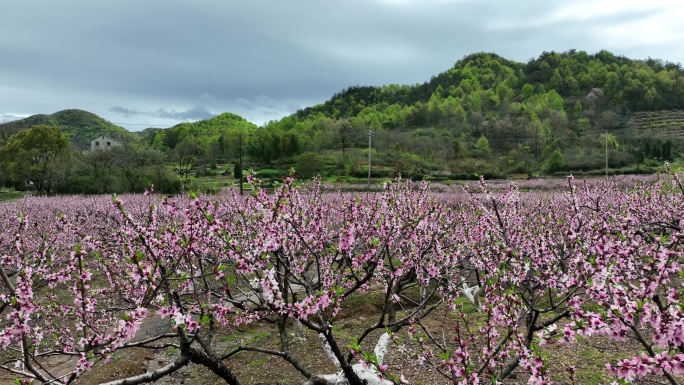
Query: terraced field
x,y
662,122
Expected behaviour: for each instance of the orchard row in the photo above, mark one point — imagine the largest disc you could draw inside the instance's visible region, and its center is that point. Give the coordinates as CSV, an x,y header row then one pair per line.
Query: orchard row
x,y
81,277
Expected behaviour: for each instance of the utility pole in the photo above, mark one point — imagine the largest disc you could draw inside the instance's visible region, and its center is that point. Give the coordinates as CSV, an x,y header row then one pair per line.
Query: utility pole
x,y
370,136
606,153
240,158
536,143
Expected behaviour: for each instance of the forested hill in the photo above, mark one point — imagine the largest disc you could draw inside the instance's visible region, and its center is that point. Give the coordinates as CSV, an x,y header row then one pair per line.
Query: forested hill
x,y
490,114
204,131
482,81
81,126
211,140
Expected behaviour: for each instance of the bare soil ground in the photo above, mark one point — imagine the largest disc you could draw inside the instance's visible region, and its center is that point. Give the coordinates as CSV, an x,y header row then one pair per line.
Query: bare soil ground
x,y
589,357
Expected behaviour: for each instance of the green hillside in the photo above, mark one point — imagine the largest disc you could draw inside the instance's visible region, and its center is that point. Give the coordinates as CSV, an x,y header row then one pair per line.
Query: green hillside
x,y
661,122
481,82
211,140
488,114
81,126
205,131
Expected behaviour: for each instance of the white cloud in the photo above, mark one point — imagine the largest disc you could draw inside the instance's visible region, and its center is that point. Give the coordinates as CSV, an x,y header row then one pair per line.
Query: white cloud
x,y
660,29
406,3
372,53
262,108
601,12
10,116
629,25
584,10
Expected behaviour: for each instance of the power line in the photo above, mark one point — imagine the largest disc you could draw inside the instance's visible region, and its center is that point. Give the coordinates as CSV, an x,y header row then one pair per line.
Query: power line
x,y
370,136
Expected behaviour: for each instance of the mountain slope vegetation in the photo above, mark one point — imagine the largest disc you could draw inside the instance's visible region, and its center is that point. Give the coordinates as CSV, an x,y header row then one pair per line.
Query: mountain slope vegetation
x,y
489,114
81,126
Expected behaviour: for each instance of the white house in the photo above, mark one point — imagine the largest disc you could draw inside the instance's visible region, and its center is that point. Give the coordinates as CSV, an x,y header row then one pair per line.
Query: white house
x,y
103,142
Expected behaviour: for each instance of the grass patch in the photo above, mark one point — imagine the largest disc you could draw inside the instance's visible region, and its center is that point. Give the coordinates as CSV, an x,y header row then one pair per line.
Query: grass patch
x,y
6,196
589,375
256,335
466,306
250,336
171,351
257,363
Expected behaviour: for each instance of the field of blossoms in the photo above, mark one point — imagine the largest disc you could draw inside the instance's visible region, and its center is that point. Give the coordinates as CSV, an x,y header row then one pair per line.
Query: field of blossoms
x,y
515,273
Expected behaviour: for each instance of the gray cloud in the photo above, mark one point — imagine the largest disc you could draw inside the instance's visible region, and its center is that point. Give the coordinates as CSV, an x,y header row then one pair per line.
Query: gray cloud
x,y
195,113
175,60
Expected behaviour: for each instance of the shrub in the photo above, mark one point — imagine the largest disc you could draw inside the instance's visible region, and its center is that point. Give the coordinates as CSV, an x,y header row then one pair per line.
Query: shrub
x,y
268,173
309,165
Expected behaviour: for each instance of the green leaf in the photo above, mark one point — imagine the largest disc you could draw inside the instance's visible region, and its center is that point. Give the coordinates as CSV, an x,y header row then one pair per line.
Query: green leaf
x,y
354,345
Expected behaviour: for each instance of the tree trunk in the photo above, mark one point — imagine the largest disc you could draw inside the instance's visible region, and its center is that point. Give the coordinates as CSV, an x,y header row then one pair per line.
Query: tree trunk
x,y
214,364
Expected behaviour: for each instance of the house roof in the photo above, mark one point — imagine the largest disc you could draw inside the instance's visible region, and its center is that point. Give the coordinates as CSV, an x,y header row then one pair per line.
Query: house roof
x,y
105,137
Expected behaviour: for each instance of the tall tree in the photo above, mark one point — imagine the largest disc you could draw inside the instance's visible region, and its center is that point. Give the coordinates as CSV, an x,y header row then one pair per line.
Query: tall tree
x,y
482,146
101,165
346,133
37,155
185,154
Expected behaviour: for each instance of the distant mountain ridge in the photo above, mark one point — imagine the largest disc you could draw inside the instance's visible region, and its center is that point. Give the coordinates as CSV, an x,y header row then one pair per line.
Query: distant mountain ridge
x,y
639,85
81,126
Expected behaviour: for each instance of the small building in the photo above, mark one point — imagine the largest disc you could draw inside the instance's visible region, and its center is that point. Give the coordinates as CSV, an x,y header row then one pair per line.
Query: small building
x,y
103,142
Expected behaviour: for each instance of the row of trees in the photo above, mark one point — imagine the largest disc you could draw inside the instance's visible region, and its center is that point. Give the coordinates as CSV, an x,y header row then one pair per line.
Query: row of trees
x,y
43,158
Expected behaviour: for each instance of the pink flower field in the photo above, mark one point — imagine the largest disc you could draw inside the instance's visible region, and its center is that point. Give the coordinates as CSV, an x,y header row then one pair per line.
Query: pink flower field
x,y
476,285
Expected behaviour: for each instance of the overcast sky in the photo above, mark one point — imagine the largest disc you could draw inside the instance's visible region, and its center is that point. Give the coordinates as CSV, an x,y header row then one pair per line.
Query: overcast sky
x,y
159,62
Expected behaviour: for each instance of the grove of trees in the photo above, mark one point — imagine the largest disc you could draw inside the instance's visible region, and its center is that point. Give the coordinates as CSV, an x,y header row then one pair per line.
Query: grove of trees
x,y
81,277
36,155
